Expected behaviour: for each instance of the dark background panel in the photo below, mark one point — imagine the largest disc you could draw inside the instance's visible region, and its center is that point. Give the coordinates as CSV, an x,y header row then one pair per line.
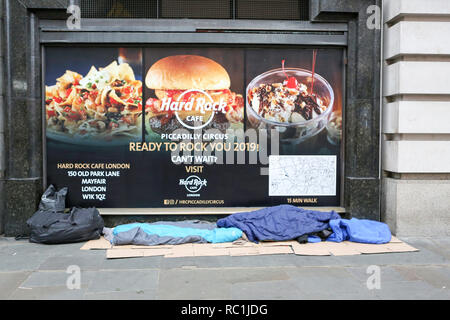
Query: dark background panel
x,y
80,60
123,191
128,190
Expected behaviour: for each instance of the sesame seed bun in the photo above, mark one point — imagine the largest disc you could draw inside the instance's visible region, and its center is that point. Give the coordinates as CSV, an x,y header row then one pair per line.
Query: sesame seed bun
x,y
183,72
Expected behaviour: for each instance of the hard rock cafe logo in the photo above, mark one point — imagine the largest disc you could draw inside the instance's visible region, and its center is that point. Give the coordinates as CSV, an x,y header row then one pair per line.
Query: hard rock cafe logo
x,y
198,103
193,183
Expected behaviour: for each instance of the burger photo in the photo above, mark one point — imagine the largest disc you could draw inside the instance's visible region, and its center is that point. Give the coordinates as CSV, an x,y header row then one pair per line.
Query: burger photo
x,y
184,80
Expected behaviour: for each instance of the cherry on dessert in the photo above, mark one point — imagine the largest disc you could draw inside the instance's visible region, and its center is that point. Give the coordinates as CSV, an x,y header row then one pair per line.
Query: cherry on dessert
x,y
291,81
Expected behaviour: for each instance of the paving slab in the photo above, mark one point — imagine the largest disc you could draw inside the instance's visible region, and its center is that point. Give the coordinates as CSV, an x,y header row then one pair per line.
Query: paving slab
x,y
55,278
325,279
316,261
172,263
301,285
6,241
262,274
409,290
267,290
48,293
19,261
387,273
279,260
124,280
193,284
436,276
147,294
34,271
44,249
10,281
88,261
210,262
359,294
422,257
131,263
440,246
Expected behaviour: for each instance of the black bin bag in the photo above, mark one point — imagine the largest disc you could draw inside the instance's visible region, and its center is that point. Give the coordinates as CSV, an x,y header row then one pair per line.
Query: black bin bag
x,y
81,224
53,200
51,225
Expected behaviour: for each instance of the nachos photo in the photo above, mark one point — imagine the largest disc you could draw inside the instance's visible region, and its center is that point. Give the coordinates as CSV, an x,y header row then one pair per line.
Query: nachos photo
x,y
104,105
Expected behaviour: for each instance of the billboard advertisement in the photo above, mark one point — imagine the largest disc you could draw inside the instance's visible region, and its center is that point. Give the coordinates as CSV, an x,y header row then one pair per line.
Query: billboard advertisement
x,y
202,126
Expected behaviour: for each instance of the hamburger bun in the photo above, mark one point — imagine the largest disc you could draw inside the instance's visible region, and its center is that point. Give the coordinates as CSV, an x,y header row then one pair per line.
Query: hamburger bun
x,y
183,72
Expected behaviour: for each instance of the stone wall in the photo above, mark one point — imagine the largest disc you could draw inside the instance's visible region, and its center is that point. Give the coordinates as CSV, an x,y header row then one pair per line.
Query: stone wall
x,y
21,184
2,123
416,113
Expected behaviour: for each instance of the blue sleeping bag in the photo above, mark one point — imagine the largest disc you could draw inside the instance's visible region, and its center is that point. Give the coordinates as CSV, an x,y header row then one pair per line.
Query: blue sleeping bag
x,y
170,233
283,222
356,230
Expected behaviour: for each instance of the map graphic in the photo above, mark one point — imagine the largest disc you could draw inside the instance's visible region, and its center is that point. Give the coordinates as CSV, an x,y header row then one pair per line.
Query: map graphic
x,y
302,175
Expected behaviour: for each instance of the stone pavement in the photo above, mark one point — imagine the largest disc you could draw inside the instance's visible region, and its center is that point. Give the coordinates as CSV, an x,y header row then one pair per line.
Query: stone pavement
x,y
33,271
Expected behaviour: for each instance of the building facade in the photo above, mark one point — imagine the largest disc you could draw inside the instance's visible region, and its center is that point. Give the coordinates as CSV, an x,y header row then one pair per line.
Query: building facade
x,y
416,142
392,160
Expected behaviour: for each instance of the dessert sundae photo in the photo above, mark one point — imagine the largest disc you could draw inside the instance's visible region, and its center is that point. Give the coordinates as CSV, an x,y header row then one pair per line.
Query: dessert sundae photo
x,y
334,128
295,101
193,92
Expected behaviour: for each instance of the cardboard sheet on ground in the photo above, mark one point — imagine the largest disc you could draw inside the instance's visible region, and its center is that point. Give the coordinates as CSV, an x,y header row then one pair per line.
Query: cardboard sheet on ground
x,y
311,249
99,244
181,250
245,248
208,250
245,251
341,248
368,248
275,250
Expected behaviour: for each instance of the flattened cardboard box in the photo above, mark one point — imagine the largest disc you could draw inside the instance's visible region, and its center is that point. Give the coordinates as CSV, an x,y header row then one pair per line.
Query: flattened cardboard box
x,y
181,250
208,250
311,249
341,249
275,250
99,244
246,248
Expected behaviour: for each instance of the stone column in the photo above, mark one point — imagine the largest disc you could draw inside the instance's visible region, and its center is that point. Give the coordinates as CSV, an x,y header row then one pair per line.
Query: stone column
x,y
2,122
362,103
416,113
22,168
